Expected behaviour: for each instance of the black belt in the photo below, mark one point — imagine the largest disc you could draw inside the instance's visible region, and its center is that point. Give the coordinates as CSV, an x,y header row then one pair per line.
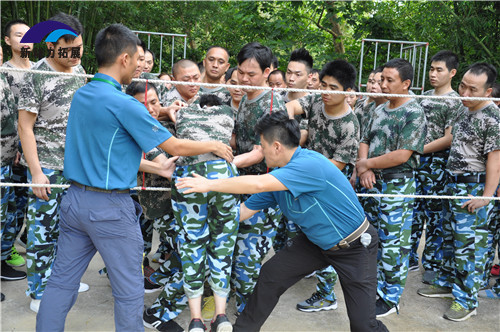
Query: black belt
x,y
392,176
99,190
478,178
344,243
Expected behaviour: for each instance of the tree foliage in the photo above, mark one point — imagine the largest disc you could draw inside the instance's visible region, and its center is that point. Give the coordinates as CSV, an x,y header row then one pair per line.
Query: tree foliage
x,y
328,29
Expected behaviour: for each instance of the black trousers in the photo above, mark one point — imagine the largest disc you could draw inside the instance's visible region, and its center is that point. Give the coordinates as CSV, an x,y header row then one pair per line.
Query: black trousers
x,y
356,267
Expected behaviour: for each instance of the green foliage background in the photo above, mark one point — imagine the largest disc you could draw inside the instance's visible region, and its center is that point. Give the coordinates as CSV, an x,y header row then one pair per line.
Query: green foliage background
x,y
328,29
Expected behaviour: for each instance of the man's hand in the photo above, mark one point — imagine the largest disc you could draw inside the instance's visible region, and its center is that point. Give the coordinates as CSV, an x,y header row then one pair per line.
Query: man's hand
x,y
17,159
367,179
168,167
195,184
362,166
41,192
474,204
170,112
352,180
224,151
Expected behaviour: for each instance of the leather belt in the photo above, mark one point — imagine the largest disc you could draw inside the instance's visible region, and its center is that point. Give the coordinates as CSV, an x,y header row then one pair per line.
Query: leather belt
x,y
478,178
392,176
351,237
99,190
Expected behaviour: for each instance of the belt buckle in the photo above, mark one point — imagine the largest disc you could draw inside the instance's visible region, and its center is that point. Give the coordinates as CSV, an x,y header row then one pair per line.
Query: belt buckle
x,y
343,244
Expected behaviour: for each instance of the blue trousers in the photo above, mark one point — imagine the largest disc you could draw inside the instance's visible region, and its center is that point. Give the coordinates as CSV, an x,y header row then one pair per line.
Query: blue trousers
x,y
108,223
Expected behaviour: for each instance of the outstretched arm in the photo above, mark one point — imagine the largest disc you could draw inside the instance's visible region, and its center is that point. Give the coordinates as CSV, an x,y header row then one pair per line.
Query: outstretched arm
x,y
247,184
185,147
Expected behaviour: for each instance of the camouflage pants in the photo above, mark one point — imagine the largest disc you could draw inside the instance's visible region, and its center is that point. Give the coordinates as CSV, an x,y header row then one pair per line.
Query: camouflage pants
x,y
43,230
9,226
430,180
464,245
172,300
392,217
493,240
20,175
210,222
255,237
285,231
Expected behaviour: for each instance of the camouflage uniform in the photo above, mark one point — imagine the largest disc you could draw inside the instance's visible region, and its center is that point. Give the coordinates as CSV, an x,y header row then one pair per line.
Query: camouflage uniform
x,y
390,130
255,234
48,96
465,235
430,180
219,91
364,112
19,172
336,138
8,145
209,220
493,244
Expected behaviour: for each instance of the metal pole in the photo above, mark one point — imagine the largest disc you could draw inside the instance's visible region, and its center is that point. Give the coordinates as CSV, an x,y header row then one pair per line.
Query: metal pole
x,y
425,67
375,60
388,51
185,43
161,51
361,62
401,51
149,40
173,50
419,65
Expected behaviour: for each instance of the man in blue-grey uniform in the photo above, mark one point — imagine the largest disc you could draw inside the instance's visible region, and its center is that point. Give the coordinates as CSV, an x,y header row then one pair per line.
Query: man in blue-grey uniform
x,y
106,134
312,192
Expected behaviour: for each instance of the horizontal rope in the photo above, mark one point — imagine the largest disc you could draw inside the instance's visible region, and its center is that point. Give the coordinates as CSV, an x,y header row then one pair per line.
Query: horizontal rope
x,y
249,87
10,184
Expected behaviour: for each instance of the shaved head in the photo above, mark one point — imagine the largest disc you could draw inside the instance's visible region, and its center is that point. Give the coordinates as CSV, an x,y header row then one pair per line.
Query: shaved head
x,y
182,64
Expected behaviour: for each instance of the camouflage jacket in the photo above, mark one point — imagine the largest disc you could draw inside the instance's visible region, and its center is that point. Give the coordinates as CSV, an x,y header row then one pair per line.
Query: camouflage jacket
x,y
249,112
161,88
49,97
15,79
402,128
475,134
204,124
439,114
154,203
336,138
9,139
364,112
220,92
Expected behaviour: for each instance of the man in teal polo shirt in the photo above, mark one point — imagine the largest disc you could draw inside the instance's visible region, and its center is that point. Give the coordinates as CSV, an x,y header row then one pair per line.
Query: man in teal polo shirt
x,y
106,134
312,192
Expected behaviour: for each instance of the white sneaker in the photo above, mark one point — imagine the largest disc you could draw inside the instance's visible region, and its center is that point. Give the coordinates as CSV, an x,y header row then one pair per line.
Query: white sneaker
x,y
35,305
83,287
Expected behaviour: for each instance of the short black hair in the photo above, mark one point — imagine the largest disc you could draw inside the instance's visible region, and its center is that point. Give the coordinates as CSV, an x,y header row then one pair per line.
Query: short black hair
x,y
201,67
229,73
183,63
278,72
70,21
10,24
315,71
448,57
277,126
223,48
262,54
377,70
142,44
152,53
274,62
112,41
139,87
404,68
342,71
479,68
209,100
302,55
495,93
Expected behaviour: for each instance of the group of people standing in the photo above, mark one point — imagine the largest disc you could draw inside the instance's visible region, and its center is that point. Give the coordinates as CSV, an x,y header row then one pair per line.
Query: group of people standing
x,y
304,156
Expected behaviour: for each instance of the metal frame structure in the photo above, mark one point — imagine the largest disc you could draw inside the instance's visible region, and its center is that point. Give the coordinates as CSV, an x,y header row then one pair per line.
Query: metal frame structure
x,y
163,34
407,50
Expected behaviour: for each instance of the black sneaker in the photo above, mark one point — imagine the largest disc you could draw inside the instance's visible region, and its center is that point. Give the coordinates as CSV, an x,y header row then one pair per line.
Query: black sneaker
x,y
221,324
151,322
149,287
382,309
8,273
196,325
